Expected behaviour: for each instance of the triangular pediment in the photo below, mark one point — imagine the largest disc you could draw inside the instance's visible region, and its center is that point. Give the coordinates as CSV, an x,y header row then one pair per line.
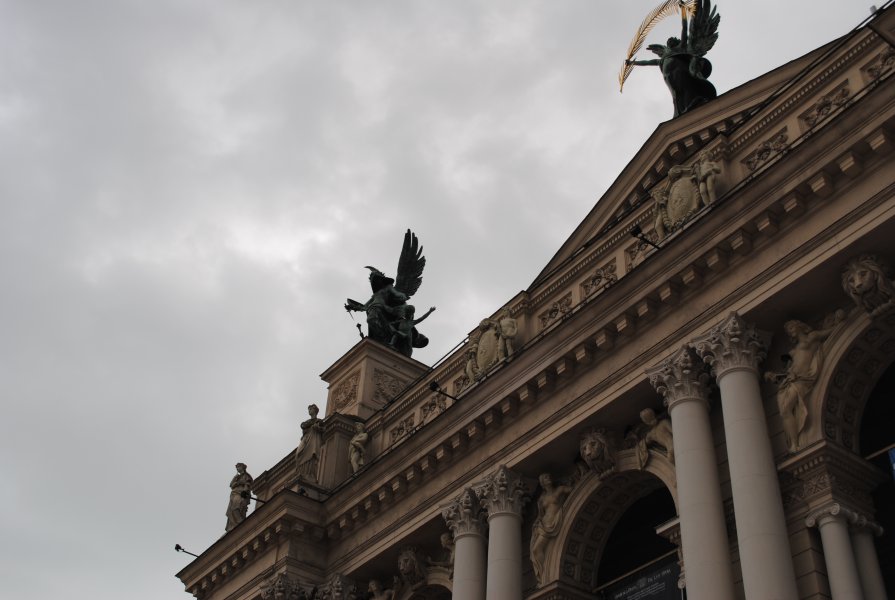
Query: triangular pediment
x,y
712,127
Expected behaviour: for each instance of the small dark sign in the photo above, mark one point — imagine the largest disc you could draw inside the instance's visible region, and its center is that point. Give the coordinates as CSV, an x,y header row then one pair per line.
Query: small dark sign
x,y
656,582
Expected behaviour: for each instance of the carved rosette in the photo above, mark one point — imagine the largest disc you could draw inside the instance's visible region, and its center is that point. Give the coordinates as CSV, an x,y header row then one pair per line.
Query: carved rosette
x,y
732,345
504,492
681,378
465,515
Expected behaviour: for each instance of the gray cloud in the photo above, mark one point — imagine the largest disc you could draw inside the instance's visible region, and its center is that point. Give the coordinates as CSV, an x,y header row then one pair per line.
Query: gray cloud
x,y
190,190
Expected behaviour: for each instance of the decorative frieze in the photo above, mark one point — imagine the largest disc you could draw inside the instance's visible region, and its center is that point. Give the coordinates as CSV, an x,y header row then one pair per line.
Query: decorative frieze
x,y
766,150
883,63
731,345
386,386
345,393
557,310
599,280
826,105
404,427
282,587
432,407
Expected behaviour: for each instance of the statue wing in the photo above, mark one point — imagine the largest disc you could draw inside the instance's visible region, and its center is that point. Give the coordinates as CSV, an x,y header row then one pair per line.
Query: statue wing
x,y
703,28
410,265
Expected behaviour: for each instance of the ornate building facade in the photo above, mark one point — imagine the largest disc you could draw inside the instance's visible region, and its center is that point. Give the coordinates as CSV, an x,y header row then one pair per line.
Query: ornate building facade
x,y
695,396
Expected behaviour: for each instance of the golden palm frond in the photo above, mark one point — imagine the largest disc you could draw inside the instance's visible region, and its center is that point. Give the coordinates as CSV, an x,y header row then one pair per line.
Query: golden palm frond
x,y
666,9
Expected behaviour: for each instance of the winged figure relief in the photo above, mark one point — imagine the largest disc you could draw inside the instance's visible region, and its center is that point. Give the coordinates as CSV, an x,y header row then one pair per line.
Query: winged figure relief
x,y
681,60
390,319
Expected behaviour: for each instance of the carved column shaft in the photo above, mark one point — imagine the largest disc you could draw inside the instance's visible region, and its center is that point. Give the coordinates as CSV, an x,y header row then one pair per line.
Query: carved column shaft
x,y
504,496
867,561
842,571
734,349
466,521
706,551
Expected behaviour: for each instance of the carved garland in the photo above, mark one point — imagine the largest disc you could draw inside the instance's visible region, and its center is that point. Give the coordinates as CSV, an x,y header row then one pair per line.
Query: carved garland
x,y
766,150
558,309
827,104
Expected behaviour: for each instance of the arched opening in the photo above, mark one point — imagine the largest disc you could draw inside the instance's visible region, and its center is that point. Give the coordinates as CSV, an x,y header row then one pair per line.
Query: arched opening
x,y
633,542
611,545
877,437
636,561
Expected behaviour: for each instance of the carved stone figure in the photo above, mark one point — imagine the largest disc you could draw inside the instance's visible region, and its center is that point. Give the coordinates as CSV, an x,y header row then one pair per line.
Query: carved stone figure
x,y
388,320
447,542
356,447
598,448
681,60
866,280
506,332
410,567
376,591
803,365
240,488
546,525
339,587
653,431
706,170
308,451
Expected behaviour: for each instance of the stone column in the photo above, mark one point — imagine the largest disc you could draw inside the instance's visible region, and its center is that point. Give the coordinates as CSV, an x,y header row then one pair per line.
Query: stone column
x,y
842,571
733,349
682,381
503,495
862,533
466,520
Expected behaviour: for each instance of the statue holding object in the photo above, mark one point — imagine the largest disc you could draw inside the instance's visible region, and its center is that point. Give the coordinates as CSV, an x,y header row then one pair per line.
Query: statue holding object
x,y
681,60
389,318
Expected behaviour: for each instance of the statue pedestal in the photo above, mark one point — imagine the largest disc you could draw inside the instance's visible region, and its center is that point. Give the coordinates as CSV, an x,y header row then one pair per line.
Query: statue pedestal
x,y
368,377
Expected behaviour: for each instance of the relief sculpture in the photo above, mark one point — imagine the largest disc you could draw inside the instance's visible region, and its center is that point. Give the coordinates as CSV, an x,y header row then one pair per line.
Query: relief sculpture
x,y
802,369
866,281
490,343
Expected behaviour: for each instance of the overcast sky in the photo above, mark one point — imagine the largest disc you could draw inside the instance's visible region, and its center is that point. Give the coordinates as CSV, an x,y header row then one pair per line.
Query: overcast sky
x,y
191,188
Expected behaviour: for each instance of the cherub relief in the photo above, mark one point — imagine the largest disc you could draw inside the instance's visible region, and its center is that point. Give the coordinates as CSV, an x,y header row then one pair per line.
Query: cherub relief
x,y
865,280
803,365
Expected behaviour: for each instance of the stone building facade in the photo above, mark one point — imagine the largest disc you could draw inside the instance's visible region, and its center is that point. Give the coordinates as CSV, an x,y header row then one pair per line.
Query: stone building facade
x,y
704,408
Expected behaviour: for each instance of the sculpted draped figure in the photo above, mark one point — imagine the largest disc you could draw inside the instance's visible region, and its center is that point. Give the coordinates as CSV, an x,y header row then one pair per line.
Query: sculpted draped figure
x,y
803,365
447,543
240,488
653,431
356,447
389,318
546,525
308,451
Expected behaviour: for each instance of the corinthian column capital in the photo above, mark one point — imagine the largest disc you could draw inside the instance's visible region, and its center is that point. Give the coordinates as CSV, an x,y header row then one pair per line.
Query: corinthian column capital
x,y
465,516
504,492
680,378
732,345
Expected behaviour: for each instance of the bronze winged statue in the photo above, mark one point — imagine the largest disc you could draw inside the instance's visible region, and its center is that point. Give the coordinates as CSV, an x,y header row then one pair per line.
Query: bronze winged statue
x,y
682,60
390,320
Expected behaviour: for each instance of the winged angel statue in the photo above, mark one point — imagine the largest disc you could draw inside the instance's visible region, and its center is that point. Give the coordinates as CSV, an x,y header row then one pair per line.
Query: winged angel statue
x,y
681,60
390,320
